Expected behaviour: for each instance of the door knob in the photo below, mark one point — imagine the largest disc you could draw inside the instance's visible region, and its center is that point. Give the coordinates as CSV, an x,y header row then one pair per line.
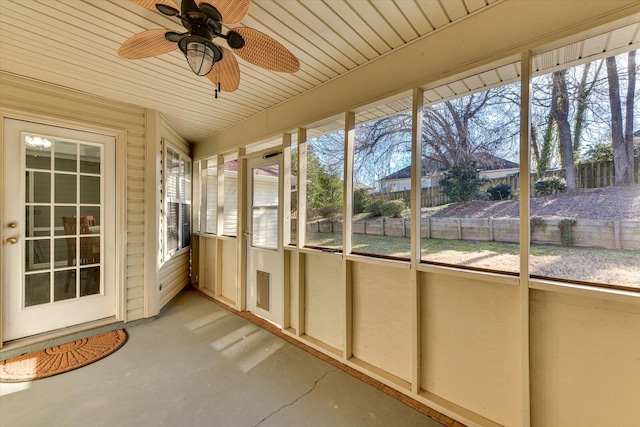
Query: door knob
x,y
12,240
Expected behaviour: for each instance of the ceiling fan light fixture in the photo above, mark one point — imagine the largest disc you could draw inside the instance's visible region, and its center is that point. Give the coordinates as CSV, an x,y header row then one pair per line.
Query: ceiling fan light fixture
x,y
201,54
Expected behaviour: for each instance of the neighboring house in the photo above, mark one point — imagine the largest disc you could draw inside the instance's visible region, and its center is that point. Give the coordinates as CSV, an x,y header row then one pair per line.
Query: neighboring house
x,y
491,167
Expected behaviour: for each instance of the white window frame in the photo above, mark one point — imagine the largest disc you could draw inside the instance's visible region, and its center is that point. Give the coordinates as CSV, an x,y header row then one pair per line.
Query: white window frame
x,y
181,200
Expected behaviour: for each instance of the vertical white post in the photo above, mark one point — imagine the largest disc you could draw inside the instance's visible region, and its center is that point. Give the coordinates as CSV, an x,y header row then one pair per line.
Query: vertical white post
x,y
347,215
416,191
217,285
525,235
153,208
284,227
301,234
241,241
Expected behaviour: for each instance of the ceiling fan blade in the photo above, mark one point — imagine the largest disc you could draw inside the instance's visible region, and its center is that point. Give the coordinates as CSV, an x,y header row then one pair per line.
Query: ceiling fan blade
x,y
265,52
232,11
146,44
151,4
226,72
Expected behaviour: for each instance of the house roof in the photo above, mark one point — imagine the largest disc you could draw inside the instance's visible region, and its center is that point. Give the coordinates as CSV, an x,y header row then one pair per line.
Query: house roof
x,y
74,45
429,166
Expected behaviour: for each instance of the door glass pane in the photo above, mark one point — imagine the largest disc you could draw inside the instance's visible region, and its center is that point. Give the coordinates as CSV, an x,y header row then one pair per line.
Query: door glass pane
x,y
37,221
90,189
36,289
90,158
38,152
62,212
89,281
38,187
89,250
37,254
65,252
65,188
66,157
64,285
92,213
265,207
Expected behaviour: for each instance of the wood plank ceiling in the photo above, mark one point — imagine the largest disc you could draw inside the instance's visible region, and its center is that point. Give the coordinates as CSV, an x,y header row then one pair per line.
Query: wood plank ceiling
x,y
73,43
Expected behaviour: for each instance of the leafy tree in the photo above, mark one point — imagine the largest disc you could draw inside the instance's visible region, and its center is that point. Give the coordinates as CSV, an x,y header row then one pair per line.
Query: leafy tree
x,y
462,182
324,187
361,198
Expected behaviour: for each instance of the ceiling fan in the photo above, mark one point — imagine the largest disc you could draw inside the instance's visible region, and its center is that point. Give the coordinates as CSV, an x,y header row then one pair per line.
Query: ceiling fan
x,y
203,21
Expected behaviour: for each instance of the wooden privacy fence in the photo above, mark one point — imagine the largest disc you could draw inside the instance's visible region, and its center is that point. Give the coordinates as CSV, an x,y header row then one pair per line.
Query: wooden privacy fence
x,y
604,234
588,175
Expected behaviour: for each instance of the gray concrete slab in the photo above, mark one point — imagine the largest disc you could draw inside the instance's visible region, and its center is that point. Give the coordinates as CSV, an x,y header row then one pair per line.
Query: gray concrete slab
x,y
200,365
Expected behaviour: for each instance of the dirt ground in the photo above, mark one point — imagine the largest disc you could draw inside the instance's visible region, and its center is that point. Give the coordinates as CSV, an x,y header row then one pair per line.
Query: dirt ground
x,y
609,203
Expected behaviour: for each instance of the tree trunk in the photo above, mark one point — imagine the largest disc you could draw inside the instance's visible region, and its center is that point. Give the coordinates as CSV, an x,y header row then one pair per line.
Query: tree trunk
x,y
622,159
560,112
629,124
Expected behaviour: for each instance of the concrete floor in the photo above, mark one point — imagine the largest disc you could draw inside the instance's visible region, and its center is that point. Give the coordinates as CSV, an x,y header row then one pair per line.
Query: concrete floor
x,y
200,365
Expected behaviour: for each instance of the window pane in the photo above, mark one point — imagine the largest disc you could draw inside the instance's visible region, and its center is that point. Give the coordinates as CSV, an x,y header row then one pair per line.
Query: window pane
x,y
172,227
38,152
38,187
90,189
230,202
585,182
265,206
172,174
294,190
65,188
469,173
66,156
90,158
210,177
325,172
186,226
382,180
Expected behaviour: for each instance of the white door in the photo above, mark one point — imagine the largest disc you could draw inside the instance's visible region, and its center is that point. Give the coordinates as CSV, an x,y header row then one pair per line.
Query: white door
x,y
264,247
58,230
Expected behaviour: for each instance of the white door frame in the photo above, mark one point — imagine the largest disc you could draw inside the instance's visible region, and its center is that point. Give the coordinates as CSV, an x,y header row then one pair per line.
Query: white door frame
x,y
276,314
120,136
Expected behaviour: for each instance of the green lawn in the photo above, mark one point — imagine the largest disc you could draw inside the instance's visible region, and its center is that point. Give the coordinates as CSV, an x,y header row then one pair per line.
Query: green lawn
x,y
616,267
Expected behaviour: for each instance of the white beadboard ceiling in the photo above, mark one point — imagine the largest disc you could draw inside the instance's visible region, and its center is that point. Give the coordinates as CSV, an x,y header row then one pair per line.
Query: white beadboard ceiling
x,y
73,43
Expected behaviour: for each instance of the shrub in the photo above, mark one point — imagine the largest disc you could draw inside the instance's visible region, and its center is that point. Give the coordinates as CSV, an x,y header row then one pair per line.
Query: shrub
x,y
549,186
375,207
566,231
462,183
393,208
361,199
499,192
330,212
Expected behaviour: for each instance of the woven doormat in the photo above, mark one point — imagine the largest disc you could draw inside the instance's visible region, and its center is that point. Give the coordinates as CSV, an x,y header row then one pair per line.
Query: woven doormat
x,y
61,358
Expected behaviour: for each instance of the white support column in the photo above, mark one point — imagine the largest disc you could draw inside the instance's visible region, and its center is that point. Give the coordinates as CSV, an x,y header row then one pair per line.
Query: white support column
x,y
525,235
153,210
241,240
284,227
219,225
347,215
301,234
416,190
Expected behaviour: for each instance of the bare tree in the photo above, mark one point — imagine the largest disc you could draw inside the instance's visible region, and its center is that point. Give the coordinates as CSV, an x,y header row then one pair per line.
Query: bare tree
x,y
560,113
622,141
